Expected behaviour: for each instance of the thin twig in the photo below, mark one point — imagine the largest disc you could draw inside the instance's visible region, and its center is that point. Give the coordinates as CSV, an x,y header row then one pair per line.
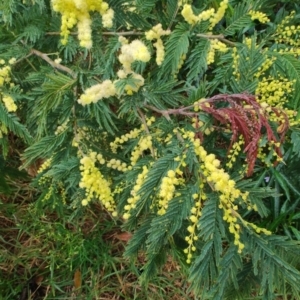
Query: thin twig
x,y
219,37
143,119
178,111
51,62
122,33
173,17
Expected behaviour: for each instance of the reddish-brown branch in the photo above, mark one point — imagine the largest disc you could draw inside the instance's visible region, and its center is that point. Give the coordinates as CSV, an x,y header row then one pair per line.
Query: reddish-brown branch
x,y
245,116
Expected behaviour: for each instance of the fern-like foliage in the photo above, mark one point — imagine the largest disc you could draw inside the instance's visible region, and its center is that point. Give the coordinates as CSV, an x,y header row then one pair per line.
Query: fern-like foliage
x,y
190,138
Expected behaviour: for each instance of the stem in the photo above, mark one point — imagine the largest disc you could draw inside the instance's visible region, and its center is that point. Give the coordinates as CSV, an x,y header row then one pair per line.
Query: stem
x,y
143,119
122,33
173,17
167,112
218,37
55,65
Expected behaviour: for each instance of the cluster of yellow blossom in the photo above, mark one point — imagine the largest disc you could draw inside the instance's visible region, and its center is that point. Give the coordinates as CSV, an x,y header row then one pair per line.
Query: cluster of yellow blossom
x,y
107,18
287,33
49,193
97,92
265,66
155,34
139,81
234,152
274,91
5,78
257,15
117,165
235,63
220,181
180,64
130,52
78,137
4,74
194,218
191,18
77,12
61,128
267,154
213,16
45,165
9,103
218,16
167,190
134,133
135,51
131,202
3,130
215,45
256,228
95,185
144,143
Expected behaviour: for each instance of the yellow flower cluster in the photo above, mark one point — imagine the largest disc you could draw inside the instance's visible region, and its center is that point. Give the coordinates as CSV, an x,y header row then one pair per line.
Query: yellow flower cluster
x,y
77,12
135,51
79,135
218,16
4,73
234,152
155,34
61,128
167,190
267,154
49,194
3,130
235,64
180,64
274,91
9,103
45,165
213,16
130,52
131,88
97,92
95,185
194,218
117,165
256,228
287,33
220,181
134,133
191,18
5,78
264,67
144,143
215,45
257,15
107,18
131,202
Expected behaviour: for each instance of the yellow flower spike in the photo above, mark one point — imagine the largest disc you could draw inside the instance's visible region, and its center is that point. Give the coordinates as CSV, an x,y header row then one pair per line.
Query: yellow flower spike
x,y
78,12
95,185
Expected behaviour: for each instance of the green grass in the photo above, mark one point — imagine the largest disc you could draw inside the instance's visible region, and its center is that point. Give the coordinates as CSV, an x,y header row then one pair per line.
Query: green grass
x,y
41,250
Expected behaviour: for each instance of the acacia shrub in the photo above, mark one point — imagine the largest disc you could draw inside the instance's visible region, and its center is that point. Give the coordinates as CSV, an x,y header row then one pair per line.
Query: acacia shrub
x,y
179,117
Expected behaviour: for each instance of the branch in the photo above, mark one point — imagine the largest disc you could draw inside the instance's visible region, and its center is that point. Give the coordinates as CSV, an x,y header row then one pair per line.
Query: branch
x,y
178,111
143,119
55,65
219,37
122,33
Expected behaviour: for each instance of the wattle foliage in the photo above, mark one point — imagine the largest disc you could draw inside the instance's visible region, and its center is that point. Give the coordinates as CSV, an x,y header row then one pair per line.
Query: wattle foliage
x,y
181,119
